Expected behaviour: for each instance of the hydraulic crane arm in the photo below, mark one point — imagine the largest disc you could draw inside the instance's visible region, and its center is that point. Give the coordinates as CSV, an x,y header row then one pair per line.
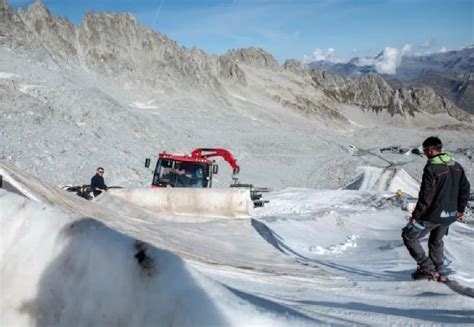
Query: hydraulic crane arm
x,y
211,152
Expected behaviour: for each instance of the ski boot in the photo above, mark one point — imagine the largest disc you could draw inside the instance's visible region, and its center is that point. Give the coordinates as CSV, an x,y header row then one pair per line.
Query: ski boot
x,y
423,273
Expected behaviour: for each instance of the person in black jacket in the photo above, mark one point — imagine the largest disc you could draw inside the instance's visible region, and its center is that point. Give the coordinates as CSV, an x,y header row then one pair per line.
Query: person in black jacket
x,y
443,197
97,182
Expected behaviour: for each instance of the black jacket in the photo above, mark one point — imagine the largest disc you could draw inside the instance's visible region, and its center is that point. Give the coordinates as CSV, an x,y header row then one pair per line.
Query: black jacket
x,y
444,191
98,182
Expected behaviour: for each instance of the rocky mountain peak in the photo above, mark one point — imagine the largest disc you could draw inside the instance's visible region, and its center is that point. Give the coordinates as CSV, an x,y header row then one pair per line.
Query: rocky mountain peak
x,y
6,16
375,84
38,17
294,66
39,10
253,56
4,5
13,32
117,19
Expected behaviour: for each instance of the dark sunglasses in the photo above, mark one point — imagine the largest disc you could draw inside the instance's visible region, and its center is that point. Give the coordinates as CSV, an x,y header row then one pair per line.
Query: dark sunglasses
x,y
101,171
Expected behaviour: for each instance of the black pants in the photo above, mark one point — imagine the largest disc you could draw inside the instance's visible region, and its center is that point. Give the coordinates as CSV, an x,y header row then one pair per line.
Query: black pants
x,y
411,237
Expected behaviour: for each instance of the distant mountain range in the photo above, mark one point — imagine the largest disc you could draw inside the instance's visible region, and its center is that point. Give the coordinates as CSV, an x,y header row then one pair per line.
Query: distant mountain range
x,y
450,73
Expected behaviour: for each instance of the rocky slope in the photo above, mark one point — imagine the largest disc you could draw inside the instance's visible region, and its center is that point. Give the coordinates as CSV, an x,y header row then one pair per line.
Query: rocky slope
x,y
373,92
458,87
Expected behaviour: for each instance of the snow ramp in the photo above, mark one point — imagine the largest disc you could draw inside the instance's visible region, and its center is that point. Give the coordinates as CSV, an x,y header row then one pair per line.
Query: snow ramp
x,y
59,270
384,180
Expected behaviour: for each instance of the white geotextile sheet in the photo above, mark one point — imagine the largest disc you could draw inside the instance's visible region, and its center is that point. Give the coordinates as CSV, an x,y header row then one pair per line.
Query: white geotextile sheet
x,y
218,202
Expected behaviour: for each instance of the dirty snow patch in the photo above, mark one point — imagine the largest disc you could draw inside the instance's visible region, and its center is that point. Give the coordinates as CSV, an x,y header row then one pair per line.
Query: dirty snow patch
x,y
351,242
31,90
4,75
144,105
356,124
238,97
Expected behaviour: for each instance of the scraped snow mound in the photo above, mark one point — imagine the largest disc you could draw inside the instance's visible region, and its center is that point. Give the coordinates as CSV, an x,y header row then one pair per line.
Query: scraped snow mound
x,y
384,179
58,269
60,266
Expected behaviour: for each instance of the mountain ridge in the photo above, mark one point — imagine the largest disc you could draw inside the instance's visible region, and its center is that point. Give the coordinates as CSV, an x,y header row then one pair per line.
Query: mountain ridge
x,y
116,45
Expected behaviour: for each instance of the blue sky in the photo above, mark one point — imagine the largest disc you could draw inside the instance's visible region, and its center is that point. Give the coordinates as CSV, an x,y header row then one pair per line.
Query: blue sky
x,y
335,29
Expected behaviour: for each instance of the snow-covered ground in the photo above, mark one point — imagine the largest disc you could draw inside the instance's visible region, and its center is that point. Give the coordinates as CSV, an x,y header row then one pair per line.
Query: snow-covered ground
x,y
308,257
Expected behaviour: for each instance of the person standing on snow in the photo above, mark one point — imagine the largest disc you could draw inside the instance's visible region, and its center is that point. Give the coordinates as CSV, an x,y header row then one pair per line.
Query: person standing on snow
x,y
97,182
443,197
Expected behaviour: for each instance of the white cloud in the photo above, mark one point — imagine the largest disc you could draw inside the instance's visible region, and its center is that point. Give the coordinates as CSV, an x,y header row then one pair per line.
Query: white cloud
x,y
406,48
319,54
387,64
365,61
330,54
391,59
443,49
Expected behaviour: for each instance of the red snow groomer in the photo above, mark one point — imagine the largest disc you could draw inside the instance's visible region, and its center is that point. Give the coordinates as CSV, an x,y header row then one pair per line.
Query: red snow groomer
x,y
196,170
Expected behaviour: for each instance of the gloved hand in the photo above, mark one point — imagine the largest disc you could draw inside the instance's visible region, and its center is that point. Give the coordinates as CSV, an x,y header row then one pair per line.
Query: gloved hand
x,y
460,216
416,224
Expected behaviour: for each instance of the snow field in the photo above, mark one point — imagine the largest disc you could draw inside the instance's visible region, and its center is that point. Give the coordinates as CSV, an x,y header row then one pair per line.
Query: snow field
x,y
308,257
